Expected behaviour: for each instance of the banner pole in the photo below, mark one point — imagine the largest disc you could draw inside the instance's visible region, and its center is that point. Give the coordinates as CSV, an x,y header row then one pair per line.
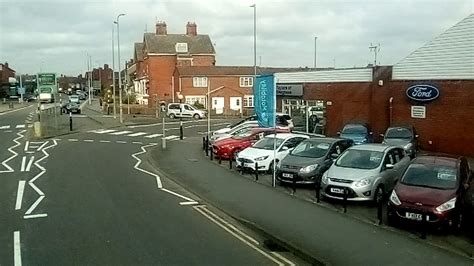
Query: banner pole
x,y
274,132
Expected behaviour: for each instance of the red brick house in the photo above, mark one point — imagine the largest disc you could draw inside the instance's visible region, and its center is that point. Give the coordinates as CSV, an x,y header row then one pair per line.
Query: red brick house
x,y
157,57
5,73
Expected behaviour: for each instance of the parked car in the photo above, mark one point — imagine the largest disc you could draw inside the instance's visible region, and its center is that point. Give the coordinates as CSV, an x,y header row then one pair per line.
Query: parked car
x,y
184,110
359,133
74,99
235,130
310,159
402,136
263,151
227,148
72,108
434,185
282,121
366,172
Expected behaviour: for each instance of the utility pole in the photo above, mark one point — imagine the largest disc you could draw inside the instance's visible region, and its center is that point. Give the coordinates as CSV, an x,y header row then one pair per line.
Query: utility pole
x,y
375,49
119,74
315,42
113,71
90,80
254,41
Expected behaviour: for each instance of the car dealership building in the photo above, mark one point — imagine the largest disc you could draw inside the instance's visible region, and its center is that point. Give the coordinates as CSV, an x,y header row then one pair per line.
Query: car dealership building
x,y
431,89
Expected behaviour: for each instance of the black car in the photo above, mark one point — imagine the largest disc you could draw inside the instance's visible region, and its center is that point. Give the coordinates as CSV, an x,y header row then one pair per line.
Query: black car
x,y
306,163
402,136
71,108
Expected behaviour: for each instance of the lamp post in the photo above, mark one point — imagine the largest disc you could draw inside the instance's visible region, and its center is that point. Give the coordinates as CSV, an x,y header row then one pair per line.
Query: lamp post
x,y
254,41
113,71
315,41
118,58
180,97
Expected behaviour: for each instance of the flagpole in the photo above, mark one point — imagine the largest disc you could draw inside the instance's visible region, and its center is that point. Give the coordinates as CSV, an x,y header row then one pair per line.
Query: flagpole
x,y
274,131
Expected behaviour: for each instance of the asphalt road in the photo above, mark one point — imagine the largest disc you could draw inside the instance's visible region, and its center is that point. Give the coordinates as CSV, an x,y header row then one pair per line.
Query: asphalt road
x,y
83,199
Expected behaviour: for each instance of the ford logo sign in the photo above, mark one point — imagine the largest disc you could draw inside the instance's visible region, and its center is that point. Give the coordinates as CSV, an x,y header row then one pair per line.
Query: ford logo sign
x,y
422,93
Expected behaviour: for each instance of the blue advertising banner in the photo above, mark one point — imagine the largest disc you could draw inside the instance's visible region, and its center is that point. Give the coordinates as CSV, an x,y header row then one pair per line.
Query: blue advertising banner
x,y
264,100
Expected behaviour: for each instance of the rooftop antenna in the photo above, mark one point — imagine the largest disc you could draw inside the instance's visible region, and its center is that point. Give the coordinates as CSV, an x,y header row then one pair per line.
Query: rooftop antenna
x,y
375,49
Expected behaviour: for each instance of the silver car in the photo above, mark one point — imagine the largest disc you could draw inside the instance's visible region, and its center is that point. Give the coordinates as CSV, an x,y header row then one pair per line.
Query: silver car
x,y
365,172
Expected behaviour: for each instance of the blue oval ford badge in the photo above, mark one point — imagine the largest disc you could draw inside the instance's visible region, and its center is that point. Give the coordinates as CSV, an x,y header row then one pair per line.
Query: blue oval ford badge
x,y
422,93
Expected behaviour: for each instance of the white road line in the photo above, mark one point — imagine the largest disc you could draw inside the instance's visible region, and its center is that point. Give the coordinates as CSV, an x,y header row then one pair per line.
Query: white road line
x,y
20,126
19,194
38,175
173,128
121,133
30,152
139,161
9,131
171,137
72,139
35,204
41,215
105,141
289,262
178,195
15,110
16,249
153,136
32,158
137,142
23,161
188,203
42,146
221,124
102,131
121,141
4,163
27,143
237,236
30,126
88,140
137,134
5,127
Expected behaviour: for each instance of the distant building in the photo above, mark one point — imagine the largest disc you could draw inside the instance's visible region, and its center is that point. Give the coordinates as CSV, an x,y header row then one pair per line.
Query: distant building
x,y
101,77
5,74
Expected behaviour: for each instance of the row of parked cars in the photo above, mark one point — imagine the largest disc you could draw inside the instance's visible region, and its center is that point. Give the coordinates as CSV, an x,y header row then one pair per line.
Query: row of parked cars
x,y
435,185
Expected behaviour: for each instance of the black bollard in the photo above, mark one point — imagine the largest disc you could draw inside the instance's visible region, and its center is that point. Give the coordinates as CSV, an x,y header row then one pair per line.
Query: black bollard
x,y
207,149
256,171
220,159
294,185
344,201
379,211
318,191
230,161
203,143
212,155
423,225
70,121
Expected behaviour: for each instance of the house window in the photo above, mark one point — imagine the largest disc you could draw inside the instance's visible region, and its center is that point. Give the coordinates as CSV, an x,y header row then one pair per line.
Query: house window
x,y
200,82
192,100
246,81
248,101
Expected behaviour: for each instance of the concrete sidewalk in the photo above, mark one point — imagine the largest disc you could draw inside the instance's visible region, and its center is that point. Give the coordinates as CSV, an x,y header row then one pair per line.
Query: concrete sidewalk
x,y
5,107
323,234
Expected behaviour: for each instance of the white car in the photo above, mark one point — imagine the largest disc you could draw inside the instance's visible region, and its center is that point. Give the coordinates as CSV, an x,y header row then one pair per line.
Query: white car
x,y
262,151
283,121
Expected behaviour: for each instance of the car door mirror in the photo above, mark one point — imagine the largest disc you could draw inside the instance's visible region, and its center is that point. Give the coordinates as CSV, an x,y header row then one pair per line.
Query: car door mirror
x,y
334,156
389,166
338,133
284,148
382,135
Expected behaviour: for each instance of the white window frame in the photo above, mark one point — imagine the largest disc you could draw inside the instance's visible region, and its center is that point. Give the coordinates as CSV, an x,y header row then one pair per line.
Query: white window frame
x,y
248,101
191,99
246,82
200,82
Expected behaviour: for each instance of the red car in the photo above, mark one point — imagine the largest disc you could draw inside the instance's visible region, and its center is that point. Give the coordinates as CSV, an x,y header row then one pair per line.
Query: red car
x,y
226,148
432,186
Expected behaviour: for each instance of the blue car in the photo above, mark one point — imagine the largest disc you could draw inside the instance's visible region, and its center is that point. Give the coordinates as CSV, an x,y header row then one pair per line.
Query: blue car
x,y
359,133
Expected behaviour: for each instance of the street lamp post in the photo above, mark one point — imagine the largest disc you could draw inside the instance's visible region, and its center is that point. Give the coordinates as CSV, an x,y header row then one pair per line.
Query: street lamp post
x,y
180,97
315,41
113,71
118,57
254,41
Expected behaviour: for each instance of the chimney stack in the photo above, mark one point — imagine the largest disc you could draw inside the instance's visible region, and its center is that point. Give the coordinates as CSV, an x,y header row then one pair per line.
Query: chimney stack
x,y
6,64
161,28
191,29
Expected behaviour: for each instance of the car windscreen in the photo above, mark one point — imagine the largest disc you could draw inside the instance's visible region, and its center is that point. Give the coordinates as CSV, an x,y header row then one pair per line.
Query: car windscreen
x,y
250,118
431,175
268,143
311,149
242,134
398,133
354,129
360,159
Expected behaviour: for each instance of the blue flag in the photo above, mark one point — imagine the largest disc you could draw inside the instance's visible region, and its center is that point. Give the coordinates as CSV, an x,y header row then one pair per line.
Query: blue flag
x,y
264,100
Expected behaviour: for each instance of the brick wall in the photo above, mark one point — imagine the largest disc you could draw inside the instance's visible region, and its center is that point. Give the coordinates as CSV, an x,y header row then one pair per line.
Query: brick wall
x,y
204,60
160,71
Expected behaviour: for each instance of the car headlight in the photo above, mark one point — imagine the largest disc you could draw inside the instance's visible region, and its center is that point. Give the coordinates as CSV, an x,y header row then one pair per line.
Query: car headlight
x,y
408,146
366,181
309,168
261,158
394,198
325,178
448,205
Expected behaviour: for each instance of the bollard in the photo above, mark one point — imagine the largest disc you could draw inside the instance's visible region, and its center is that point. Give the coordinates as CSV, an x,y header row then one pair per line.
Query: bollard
x,y
212,155
220,159
70,121
379,211
318,190
230,161
344,200
294,185
423,225
207,149
256,171
203,143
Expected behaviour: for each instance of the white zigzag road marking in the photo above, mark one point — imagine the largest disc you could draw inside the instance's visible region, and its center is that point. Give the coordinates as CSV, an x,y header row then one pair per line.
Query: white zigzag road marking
x,y
4,163
139,161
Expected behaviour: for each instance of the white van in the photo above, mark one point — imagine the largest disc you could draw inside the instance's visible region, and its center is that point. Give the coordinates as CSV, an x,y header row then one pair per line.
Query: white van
x,y
184,110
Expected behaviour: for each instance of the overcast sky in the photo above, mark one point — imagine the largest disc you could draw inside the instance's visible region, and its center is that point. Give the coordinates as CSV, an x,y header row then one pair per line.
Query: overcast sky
x,y
56,35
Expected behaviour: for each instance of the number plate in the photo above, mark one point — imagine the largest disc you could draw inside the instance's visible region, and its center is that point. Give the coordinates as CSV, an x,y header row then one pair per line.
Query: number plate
x,y
287,175
413,216
337,190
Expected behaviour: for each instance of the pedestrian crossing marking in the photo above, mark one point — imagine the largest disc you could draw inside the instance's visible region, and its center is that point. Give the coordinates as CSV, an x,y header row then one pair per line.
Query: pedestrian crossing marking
x,y
171,137
153,136
137,134
102,131
5,127
20,126
121,133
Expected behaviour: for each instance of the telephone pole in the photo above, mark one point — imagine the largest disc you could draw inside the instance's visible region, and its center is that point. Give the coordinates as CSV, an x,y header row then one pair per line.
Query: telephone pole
x,y
374,49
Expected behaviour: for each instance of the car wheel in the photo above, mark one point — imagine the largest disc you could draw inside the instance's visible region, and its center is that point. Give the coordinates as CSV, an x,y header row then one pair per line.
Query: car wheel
x,y
379,195
172,116
196,116
270,169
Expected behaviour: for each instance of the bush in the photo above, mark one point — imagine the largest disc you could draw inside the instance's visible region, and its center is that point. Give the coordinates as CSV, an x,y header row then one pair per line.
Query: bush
x,y
199,105
133,98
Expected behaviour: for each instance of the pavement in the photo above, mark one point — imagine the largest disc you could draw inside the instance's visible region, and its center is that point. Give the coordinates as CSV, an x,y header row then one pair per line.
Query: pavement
x,y
309,229
91,198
